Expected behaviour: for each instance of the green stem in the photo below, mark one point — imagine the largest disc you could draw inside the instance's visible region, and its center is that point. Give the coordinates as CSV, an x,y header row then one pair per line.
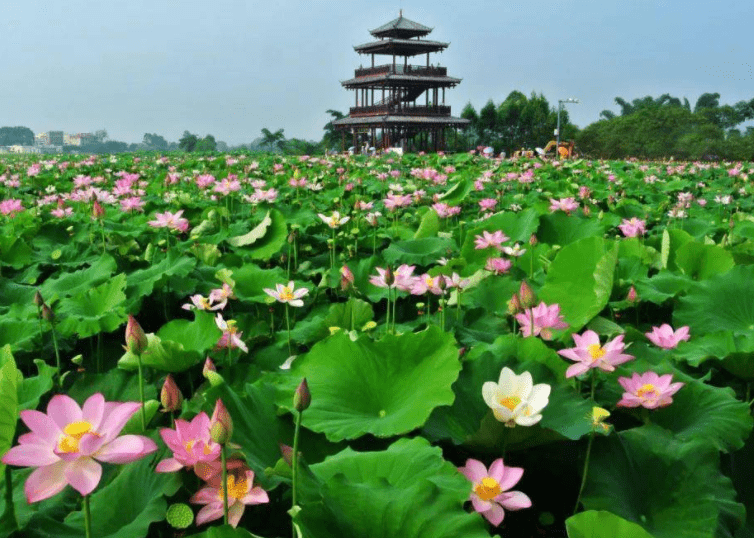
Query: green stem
x,y
87,517
10,509
141,395
588,452
224,462
288,326
57,355
294,459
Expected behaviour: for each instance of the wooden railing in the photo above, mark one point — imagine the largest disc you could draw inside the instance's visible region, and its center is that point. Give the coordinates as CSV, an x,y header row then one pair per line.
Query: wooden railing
x,y
400,69
378,110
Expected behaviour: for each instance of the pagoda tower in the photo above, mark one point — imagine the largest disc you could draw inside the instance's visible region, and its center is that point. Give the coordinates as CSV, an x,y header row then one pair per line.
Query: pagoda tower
x,y
398,103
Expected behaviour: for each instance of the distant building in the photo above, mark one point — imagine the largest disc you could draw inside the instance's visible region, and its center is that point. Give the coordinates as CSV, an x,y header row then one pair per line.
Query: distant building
x,y
57,138
42,139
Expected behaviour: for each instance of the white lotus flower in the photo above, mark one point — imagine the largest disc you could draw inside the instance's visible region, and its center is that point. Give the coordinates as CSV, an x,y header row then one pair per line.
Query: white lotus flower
x,y
514,399
335,220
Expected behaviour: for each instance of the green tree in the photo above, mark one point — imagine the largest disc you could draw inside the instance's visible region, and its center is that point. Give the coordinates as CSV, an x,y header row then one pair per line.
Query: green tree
x,y
332,137
270,139
10,136
188,141
206,144
154,141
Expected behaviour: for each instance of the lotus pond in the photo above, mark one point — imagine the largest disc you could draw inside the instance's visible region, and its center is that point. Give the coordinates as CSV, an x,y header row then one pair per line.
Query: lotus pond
x,y
489,347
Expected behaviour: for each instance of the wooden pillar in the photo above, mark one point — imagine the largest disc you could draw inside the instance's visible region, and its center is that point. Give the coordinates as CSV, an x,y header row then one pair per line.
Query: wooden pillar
x,y
428,59
372,96
372,60
443,96
356,95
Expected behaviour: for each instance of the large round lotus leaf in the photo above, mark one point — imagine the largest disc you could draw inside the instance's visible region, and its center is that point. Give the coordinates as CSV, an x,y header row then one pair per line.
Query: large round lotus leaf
x,y
602,524
385,388
724,302
408,490
735,352
561,229
580,279
702,261
96,310
672,489
418,251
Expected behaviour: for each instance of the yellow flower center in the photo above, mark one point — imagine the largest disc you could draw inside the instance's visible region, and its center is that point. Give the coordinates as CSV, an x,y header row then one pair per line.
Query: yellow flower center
x,y
286,294
510,402
69,443
647,391
429,281
205,303
488,489
334,222
596,351
236,490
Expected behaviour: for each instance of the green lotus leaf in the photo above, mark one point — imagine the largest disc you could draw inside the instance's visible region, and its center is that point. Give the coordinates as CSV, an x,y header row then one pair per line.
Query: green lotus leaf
x,y
116,385
251,281
580,280
77,282
266,239
33,388
163,355
429,225
561,229
721,303
137,492
706,414
100,309
351,315
142,282
19,333
457,193
671,241
199,335
422,251
225,531
9,382
662,286
408,488
385,387
602,524
673,489
701,261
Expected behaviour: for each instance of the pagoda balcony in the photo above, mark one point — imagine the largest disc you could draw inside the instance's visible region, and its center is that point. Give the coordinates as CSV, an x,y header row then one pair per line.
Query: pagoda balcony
x,y
401,69
382,110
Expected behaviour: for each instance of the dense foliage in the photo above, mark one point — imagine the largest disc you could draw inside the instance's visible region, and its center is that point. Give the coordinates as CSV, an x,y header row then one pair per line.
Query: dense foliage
x,y
565,344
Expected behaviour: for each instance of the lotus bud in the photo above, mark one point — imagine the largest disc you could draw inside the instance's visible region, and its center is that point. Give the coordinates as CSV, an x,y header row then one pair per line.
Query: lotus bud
x,y
302,398
98,212
47,313
38,301
632,295
346,278
533,240
526,295
442,282
209,366
389,276
136,340
287,453
170,395
514,305
220,425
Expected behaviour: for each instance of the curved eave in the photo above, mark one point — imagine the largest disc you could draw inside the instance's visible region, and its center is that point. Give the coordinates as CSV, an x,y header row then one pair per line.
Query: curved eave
x,y
401,47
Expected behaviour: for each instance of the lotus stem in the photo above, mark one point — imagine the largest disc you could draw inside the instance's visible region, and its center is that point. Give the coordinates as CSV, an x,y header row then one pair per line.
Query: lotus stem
x,y
87,518
294,463
224,463
588,453
57,355
288,326
141,394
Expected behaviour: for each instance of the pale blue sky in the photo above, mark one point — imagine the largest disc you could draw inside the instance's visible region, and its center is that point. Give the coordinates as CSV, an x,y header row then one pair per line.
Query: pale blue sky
x,y
231,67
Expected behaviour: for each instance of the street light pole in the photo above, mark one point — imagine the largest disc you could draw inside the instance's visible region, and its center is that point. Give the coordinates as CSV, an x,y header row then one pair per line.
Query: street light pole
x,y
557,131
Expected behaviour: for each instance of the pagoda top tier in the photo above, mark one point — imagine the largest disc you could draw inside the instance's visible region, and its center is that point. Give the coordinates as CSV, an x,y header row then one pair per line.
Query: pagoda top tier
x,y
401,28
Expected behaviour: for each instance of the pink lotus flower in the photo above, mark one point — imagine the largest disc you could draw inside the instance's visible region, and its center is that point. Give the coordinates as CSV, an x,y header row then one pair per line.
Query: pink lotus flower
x,y
664,336
428,284
287,294
66,443
403,278
588,354
540,319
487,204
199,302
648,390
563,204
490,240
190,443
230,338
489,492
11,207
499,266
633,227
220,296
241,492
173,221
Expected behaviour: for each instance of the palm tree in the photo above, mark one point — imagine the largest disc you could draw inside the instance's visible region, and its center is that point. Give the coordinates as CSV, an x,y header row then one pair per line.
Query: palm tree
x,y
271,139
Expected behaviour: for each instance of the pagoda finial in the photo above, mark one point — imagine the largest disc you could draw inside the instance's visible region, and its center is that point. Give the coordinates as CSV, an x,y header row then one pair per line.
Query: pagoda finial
x,y
400,13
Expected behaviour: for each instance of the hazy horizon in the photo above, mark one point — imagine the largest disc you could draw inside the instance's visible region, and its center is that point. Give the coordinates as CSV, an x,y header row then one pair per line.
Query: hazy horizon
x,y
228,69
